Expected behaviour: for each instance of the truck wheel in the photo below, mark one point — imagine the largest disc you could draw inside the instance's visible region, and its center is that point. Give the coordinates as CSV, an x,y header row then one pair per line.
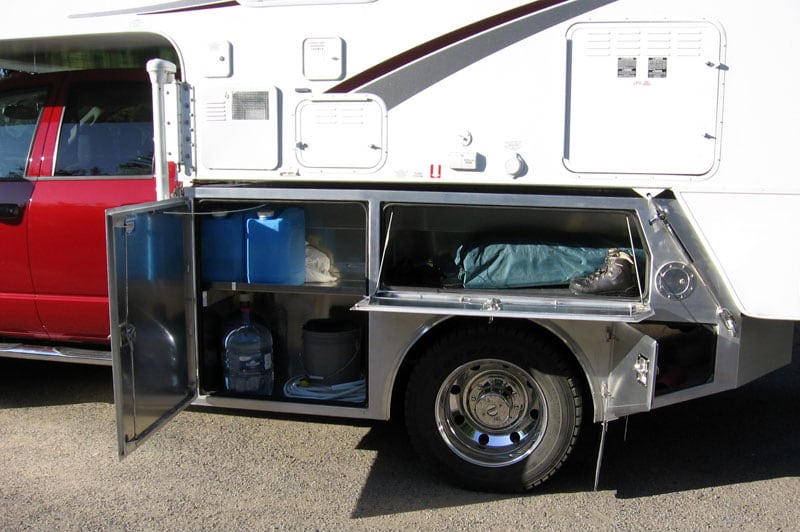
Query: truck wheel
x,y
494,408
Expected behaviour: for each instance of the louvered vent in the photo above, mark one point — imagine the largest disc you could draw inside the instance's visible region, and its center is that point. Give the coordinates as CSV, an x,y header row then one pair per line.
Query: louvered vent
x,y
625,42
215,112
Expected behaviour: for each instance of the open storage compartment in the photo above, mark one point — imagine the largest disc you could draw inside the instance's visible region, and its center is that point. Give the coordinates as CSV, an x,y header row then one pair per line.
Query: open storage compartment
x,y
318,345
686,355
512,260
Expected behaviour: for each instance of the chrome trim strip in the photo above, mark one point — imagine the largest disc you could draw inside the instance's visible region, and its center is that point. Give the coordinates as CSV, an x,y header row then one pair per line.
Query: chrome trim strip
x,y
95,357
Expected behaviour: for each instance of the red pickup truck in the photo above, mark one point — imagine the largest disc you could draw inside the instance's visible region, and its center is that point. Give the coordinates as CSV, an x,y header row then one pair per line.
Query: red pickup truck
x,y
72,144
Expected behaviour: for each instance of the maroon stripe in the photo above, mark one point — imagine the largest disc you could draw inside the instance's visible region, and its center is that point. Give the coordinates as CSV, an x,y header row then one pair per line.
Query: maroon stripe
x,y
409,56
230,3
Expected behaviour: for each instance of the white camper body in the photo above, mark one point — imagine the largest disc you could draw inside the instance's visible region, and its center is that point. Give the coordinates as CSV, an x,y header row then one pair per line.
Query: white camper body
x,y
406,130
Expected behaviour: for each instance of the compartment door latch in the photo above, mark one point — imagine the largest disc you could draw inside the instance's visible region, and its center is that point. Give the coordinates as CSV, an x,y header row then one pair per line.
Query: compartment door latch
x,y
493,304
642,369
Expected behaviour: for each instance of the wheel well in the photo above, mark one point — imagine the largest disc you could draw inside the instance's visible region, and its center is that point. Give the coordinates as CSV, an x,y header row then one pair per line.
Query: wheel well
x,y
451,324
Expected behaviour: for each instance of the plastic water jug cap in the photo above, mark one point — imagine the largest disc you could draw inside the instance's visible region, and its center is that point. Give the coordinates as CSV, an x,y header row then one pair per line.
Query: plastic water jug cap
x,y
266,213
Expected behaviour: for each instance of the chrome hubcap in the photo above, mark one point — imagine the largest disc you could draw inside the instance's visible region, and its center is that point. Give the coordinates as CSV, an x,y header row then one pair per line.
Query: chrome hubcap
x,y
491,413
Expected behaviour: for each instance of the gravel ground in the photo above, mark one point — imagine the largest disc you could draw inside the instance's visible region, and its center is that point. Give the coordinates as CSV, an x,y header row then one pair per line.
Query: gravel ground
x,y
722,462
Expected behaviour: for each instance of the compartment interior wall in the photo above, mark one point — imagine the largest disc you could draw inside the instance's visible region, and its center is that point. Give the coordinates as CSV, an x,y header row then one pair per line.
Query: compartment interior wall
x,y
340,230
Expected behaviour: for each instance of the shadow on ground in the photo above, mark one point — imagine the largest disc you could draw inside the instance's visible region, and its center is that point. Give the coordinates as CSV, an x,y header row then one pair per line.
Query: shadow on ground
x,y
28,383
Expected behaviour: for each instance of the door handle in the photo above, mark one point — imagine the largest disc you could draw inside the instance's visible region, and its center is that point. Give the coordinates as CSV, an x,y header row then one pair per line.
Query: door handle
x,y
9,211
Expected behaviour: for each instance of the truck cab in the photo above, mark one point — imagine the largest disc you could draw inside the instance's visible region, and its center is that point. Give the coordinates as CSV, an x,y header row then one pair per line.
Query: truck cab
x,y
72,144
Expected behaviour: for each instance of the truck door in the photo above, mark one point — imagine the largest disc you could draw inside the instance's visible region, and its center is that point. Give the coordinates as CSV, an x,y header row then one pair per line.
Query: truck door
x,y
102,142
21,108
152,316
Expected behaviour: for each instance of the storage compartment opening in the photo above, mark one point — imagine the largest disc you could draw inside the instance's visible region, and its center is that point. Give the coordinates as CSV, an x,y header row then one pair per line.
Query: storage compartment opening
x,y
319,346
686,355
300,262
445,247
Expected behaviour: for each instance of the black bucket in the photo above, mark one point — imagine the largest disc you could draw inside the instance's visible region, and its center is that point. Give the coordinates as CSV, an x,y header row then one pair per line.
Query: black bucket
x,y
331,349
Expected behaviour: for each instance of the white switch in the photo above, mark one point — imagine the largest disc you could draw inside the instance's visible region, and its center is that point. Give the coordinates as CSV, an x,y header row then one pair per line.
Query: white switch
x,y
464,160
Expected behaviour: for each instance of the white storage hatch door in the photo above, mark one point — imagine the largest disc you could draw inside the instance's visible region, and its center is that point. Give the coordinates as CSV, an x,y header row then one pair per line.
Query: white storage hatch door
x,y
643,98
341,133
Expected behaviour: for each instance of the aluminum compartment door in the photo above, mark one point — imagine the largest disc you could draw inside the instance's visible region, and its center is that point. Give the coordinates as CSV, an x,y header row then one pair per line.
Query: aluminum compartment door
x,y
506,305
631,379
152,319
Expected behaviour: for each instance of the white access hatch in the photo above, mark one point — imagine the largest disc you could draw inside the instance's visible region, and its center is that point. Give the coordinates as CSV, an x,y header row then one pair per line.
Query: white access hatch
x,y
643,98
341,133
239,127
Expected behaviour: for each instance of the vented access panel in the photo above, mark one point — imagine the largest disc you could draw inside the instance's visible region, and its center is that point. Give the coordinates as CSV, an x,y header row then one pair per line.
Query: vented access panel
x,y
643,98
338,133
239,129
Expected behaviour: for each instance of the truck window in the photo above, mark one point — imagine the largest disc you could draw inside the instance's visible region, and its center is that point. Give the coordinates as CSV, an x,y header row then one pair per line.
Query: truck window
x,y
19,114
106,131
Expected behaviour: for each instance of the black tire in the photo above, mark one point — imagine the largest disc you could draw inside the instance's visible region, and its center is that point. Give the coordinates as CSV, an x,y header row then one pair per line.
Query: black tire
x,y
494,407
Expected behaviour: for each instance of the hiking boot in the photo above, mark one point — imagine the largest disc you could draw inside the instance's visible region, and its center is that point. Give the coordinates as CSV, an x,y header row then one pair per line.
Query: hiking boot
x,y
617,277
